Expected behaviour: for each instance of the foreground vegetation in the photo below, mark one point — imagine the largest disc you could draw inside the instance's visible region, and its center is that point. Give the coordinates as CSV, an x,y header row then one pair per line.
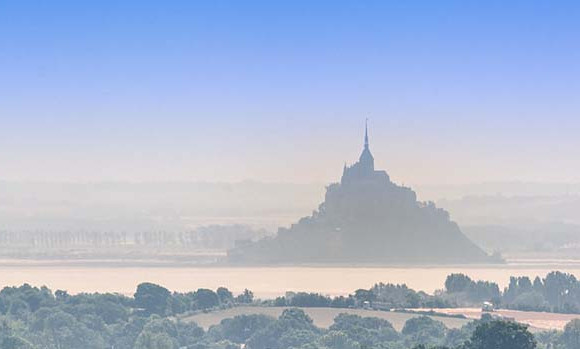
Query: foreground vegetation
x,y
37,318
152,318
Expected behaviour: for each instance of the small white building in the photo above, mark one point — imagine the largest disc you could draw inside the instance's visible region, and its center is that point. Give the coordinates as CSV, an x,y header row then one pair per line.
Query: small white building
x,y
487,307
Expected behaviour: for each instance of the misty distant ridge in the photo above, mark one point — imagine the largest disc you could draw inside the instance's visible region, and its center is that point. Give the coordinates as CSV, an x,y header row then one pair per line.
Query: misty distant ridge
x,y
521,210
138,206
183,205
500,188
496,216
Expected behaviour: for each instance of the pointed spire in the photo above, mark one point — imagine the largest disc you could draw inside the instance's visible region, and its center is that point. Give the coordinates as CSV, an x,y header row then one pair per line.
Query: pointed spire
x,y
366,133
366,158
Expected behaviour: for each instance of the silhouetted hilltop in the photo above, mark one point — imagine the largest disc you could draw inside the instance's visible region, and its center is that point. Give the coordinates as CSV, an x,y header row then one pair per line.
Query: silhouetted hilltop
x,y
366,218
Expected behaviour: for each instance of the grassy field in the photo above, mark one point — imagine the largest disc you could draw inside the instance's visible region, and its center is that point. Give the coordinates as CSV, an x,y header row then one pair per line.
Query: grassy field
x,y
536,320
322,317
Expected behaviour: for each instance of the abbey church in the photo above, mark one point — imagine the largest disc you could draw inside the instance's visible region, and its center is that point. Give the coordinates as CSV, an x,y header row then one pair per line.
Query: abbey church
x,y
366,219
364,169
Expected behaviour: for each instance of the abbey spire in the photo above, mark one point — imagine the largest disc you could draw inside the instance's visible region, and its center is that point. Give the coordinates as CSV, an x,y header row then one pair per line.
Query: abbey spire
x,y
366,133
366,158
364,168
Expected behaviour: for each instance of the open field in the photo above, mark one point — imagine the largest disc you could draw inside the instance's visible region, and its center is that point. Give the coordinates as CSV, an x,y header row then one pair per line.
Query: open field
x,y
537,320
322,317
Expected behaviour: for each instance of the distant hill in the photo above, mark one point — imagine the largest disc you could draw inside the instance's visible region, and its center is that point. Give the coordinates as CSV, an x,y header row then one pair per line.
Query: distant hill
x,y
514,209
366,218
177,206
546,240
167,206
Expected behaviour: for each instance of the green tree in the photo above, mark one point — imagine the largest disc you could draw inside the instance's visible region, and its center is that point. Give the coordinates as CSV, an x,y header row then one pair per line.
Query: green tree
x,y
457,283
246,297
457,336
125,334
362,295
296,338
291,320
111,312
239,328
225,296
13,342
338,340
161,333
570,339
424,330
153,299
18,309
205,299
367,331
501,335
62,331
150,340
559,288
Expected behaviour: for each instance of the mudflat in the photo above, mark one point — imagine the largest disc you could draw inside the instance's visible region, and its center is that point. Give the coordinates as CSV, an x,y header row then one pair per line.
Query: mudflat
x,y
123,276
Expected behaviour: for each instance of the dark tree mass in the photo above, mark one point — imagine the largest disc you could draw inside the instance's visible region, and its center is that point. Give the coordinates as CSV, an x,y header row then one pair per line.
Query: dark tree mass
x,y
366,218
156,318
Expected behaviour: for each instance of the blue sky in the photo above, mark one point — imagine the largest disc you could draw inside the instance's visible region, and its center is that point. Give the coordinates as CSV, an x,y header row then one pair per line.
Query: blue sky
x,y
456,91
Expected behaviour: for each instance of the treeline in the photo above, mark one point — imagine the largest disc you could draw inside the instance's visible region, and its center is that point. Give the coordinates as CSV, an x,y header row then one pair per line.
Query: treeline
x,y
207,237
557,292
155,317
380,296
32,317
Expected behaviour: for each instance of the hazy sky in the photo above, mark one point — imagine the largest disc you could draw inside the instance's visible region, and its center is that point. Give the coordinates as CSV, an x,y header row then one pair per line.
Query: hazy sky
x,y
456,91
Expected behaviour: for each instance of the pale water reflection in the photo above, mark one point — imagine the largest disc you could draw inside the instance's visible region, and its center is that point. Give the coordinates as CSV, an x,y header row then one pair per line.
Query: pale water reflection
x,y
263,281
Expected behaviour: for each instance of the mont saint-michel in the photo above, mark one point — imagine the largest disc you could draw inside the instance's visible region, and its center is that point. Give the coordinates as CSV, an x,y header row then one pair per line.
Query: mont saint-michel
x,y
366,218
